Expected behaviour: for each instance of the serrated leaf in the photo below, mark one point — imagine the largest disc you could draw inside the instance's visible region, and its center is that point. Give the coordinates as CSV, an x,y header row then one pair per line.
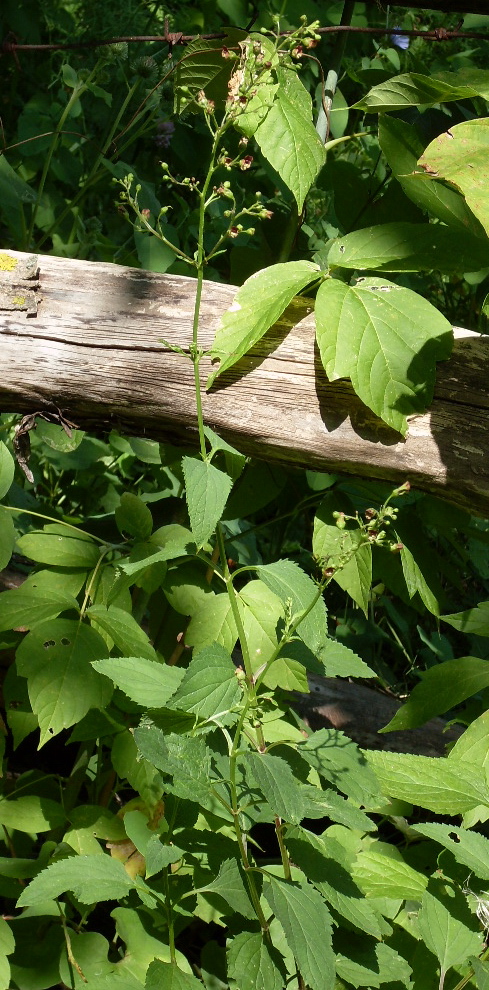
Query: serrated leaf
x,y
22,607
206,491
254,964
468,848
325,863
257,305
7,469
409,247
460,156
140,774
7,538
90,878
59,546
416,582
413,89
288,140
446,787
440,922
209,687
344,550
31,814
204,68
147,682
55,657
302,912
340,661
481,971
167,976
230,886
328,804
167,543
291,584
473,748
384,873
386,339
262,612
123,629
212,622
474,621
441,688
133,516
402,148
339,760
278,784
373,966
185,758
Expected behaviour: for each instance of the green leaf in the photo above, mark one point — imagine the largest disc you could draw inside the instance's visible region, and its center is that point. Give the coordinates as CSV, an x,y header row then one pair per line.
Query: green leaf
x,y
413,89
206,490
90,878
166,544
7,538
122,628
326,864
133,516
262,614
213,622
235,461
204,68
291,584
22,607
56,659
257,305
288,140
328,804
373,966
446,787
146,682
278,784
386,339
7,468
342,763
381,872
460,156
57,545
481,970
302,913
445,924
343,549
167,976
415,579
441,688
254,964
473,748
31,814
185,758
474,621
128,764
230,886
209,687
340,661
402,148
468,848
409,247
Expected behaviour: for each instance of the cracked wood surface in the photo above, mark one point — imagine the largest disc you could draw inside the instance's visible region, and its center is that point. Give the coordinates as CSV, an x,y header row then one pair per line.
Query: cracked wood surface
x,y
94,351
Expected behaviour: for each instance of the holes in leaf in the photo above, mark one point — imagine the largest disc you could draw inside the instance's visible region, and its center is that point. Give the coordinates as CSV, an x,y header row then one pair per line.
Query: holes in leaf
x,y
48,642
454,836
65,641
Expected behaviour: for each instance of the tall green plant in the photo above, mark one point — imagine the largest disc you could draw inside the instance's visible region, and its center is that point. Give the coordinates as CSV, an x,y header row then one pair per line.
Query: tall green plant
x,y
208,754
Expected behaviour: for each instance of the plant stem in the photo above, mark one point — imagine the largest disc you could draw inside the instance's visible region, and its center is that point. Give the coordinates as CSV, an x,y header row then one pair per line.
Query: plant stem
x,y
323,121
58,522
77,92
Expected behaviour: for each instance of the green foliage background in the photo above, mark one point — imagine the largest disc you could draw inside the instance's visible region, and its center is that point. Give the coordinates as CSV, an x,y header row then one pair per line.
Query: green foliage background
x,y
168,821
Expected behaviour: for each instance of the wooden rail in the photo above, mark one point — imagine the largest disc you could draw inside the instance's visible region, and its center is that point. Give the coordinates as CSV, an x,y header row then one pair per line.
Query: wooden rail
x,y
85,338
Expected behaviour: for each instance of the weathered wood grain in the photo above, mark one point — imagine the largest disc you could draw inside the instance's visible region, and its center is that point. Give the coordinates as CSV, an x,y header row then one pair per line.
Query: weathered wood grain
x,y
94,351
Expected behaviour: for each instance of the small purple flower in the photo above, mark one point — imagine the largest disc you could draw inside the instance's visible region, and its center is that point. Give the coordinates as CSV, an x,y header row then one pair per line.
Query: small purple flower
x,y
401,40
165,129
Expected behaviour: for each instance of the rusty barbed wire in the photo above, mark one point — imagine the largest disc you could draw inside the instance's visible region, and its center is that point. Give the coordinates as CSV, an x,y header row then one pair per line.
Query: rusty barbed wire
x,y
10,45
